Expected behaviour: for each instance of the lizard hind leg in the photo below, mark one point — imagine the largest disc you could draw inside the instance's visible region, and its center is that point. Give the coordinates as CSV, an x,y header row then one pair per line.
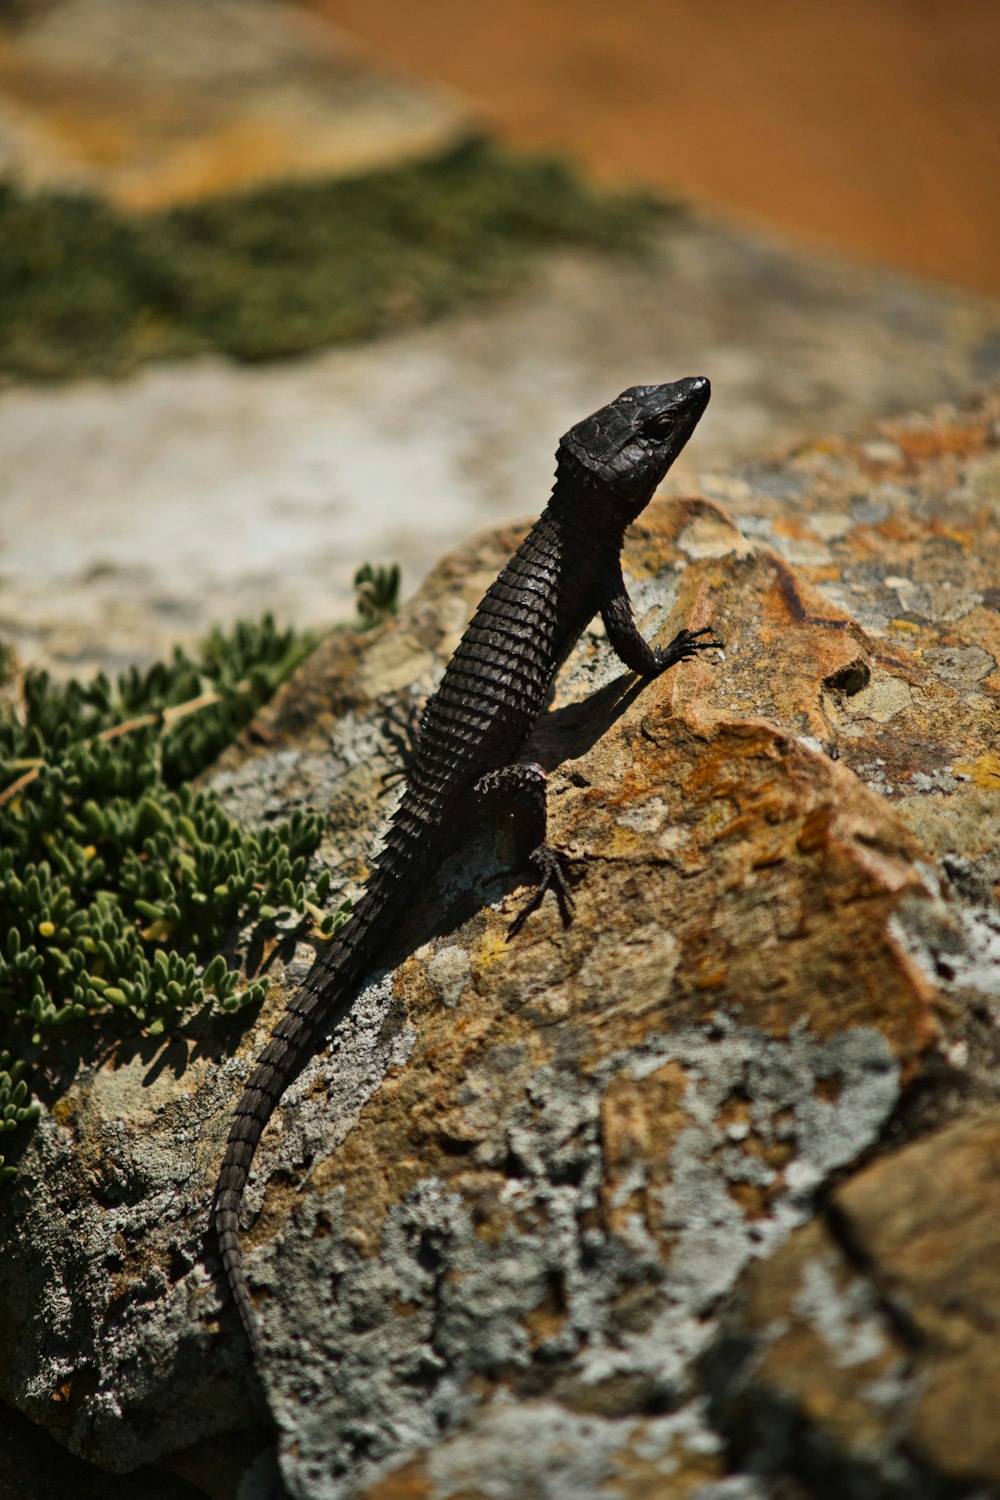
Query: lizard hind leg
x,y
550,864
522,788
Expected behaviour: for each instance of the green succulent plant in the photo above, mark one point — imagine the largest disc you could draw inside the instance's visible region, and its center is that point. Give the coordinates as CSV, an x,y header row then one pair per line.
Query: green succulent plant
x,y
290,266
376,593
14,1107
124,890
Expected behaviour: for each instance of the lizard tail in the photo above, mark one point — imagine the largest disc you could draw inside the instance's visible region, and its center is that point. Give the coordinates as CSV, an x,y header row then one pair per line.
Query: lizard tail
x,y
275,1069
324,998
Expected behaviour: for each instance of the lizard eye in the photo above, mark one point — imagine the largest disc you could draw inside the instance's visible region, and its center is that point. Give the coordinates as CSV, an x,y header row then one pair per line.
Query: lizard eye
x,y
661,423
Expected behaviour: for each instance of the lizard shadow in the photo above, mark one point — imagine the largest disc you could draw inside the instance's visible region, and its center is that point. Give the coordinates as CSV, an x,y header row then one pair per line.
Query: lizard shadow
x,y
569,732
482,857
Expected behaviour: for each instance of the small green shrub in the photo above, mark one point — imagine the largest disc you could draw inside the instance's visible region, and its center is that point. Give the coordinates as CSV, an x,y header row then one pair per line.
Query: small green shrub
x,y
376,592
289,267
124,890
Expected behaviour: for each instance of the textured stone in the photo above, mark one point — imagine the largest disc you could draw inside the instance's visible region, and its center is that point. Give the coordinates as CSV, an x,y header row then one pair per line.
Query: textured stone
x,y
871,1345
509,1451
812,1375
554,1201
192,99
927,1222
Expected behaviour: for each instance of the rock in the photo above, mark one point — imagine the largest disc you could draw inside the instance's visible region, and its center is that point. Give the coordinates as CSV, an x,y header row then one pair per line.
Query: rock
x,y
811,1375
550,1215
93,100
927,1222
870,1343
34,1467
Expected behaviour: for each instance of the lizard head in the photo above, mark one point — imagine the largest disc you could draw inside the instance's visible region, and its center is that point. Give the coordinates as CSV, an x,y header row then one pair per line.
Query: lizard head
x,y
625,449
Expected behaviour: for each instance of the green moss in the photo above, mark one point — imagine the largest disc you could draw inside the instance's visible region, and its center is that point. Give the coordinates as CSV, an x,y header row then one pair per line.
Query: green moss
x,y
125,892
286,268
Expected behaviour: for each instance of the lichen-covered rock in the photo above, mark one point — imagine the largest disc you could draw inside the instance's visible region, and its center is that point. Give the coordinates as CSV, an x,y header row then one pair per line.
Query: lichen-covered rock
x,y
544,1219
927,1224
870,1344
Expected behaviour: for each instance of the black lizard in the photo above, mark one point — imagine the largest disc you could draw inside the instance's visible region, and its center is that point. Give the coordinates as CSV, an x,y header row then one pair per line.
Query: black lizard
x,y
565,571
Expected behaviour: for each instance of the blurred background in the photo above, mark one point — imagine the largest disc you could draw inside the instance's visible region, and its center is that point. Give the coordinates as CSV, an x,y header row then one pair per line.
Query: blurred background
x,y
872,128
289,285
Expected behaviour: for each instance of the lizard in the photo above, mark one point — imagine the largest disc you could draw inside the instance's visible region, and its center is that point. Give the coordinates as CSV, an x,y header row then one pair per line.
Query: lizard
x,y
473,728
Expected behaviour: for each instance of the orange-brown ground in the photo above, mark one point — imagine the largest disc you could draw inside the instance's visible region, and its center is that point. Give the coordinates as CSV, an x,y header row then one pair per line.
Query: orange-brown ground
x,y
872,127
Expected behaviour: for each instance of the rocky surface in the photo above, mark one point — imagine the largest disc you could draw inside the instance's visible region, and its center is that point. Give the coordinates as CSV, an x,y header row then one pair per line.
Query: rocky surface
x,y
137,513
694,1199
872,1339
197,99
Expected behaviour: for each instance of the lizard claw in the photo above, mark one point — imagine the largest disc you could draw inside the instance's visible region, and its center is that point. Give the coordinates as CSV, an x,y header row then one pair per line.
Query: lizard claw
x,y
684,645
550,865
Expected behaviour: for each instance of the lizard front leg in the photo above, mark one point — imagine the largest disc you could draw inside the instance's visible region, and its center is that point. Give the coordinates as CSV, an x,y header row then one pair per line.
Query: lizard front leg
x,y
521,788
635,652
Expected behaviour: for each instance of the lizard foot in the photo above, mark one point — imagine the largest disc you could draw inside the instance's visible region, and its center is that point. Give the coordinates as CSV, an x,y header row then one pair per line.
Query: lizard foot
x,y
550,865
685,644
